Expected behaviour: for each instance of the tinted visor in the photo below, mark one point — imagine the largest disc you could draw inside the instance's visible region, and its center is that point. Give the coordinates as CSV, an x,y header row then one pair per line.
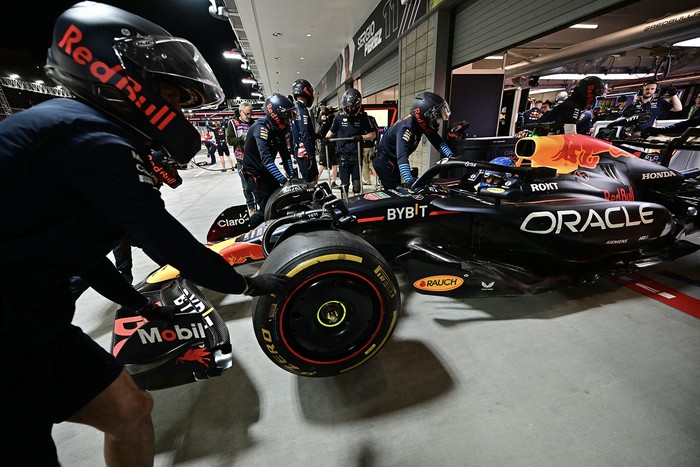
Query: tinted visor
x,y
175,61
439,112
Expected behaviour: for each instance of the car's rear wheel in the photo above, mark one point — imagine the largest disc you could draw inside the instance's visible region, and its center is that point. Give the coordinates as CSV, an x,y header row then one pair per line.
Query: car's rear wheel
x,y
342,306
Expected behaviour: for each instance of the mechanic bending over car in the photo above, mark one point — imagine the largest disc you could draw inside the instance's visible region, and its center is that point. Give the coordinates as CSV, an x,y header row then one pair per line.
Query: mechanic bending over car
x,y
562,118
267,137
74,178
402,138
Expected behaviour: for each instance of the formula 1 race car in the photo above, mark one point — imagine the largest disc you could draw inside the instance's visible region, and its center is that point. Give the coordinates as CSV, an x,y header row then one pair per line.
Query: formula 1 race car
x,y
572,209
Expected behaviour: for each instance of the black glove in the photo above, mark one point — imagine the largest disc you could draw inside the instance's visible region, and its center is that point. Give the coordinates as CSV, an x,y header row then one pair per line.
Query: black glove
x,y
651,131
154,312
358,138
669,91
266,284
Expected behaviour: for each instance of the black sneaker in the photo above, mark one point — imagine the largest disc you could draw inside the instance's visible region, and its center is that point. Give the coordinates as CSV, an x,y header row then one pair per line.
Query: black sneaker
x,y
335,185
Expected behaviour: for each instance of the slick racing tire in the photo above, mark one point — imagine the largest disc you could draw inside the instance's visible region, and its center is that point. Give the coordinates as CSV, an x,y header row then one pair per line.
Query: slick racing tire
x,y
342,305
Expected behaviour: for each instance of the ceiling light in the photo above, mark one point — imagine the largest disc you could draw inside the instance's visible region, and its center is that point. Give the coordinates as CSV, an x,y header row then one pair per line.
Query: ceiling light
x,y
689,43
609,76
584,26
38,82
256,94
542,91
13,76
302,58
297,72
248,81
308,35
233,54
494,57
276,34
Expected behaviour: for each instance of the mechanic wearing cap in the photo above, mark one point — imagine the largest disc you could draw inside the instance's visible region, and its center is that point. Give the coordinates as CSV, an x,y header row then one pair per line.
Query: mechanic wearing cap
x,y
353,123
402,138
84,163
564,117
266,138
303,132
649,102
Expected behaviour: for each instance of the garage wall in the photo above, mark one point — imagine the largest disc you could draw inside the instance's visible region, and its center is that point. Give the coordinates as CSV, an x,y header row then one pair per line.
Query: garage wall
x,y
483,27
382,76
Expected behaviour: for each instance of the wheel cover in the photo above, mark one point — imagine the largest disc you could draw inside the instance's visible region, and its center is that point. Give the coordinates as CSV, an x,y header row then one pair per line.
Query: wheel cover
x,y
331,317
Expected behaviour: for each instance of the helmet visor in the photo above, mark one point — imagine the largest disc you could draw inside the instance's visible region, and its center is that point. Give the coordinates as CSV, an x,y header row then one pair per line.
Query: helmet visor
x,y
439,112
175,61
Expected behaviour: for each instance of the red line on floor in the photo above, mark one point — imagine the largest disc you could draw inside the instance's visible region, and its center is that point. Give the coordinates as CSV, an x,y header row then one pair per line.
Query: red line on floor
x,y
661,293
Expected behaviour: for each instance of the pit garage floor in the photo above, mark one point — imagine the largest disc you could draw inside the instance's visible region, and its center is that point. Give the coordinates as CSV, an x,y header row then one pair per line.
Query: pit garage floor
x,y
596,376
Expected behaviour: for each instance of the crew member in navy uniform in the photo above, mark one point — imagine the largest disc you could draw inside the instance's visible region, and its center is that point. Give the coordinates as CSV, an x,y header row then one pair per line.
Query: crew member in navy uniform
x,y
266,138
353,123
303,132
564,117
222,146
236,132
402,138
85,162
648,101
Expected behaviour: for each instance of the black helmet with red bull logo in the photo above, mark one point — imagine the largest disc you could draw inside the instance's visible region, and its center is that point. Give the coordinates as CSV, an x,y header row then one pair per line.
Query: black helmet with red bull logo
x,y
120,63
302,88
352,101
587,90
279,110
427,109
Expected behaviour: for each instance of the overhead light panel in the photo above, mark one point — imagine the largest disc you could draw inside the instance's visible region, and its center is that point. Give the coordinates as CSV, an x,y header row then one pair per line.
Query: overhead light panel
x,y
542,91
233,54
14,76
608,77
689,43
584,26
248,81
494,57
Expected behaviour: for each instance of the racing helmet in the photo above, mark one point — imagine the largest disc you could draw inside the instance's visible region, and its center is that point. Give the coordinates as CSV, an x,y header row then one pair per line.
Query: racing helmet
x,y
588,89
427,109
493,178
352,101
302,88
120,63
280,110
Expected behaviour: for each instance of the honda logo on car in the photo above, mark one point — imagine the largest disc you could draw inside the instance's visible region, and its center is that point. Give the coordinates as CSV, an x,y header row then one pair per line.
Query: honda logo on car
x,y
438,283
409,212
615,217
654,175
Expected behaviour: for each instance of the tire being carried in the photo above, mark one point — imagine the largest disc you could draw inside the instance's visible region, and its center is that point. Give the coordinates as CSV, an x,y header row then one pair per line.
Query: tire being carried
x,y
342,307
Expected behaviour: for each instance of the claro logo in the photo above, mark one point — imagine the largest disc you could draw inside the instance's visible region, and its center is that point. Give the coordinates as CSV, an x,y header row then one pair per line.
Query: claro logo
x,y
438,283
116,76
616,217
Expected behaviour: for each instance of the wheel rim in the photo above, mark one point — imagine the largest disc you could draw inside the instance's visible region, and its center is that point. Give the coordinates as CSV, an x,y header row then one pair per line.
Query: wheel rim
x,y
331,317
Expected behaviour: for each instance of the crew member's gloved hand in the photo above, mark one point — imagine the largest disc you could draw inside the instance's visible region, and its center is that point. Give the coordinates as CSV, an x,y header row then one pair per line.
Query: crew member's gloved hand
x,y
358,138
669,91
651,131
155,312
266,284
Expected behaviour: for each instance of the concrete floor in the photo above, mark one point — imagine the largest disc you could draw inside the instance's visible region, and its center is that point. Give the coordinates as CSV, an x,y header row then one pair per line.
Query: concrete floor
x,y
596,376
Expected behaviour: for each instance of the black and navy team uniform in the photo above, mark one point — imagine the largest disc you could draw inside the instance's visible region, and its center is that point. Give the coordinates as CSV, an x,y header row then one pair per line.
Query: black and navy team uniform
x,y
348,126
400,141
568,112
263,142
73,182
303,136
220,136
